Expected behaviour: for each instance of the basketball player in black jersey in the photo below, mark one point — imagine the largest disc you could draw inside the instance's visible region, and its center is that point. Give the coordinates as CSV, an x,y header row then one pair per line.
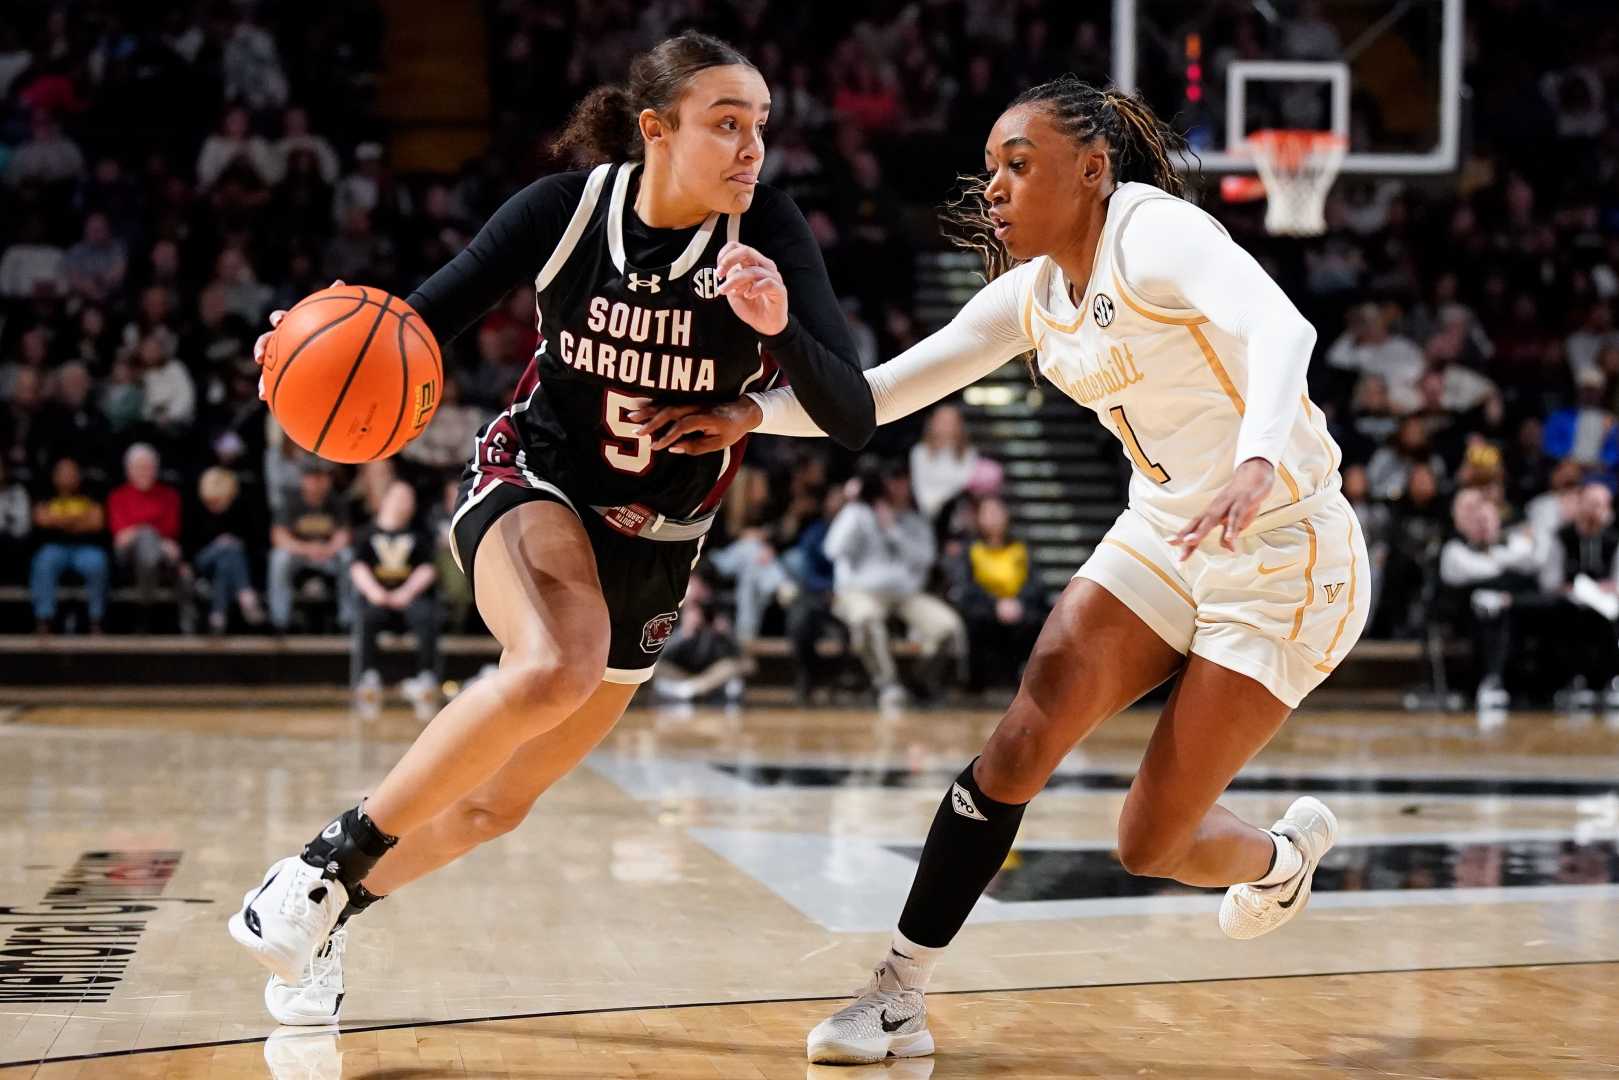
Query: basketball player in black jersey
x,y
663,274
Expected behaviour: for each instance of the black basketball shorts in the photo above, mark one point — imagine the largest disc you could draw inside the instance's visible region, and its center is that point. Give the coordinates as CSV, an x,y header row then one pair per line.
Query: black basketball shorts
x,y
643,581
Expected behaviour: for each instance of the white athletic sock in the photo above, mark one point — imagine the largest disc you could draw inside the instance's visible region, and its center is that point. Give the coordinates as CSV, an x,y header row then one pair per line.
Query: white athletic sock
x,y
912,964
1288,861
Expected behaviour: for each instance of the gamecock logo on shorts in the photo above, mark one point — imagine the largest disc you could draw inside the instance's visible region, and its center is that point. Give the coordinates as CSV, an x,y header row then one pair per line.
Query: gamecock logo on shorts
x,y
657,631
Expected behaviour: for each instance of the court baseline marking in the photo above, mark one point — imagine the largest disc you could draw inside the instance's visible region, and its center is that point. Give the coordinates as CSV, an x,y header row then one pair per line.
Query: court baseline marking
x,y
797,1000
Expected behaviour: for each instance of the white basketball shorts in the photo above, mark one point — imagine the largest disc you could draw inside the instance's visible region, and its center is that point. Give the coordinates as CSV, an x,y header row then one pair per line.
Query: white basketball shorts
x,y
1283,609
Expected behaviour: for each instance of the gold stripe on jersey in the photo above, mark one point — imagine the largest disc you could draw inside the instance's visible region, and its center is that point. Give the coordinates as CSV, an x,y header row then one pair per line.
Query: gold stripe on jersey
x,y
1326,661
1172,320
1221,376
1309,582
1155,568
1028,324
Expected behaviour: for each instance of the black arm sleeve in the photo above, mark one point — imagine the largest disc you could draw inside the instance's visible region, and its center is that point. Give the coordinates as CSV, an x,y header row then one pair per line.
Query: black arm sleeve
x,y
816,350
511,247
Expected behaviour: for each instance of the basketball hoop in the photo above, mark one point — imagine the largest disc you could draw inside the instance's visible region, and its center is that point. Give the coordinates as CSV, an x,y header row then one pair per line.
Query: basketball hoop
x,y
1298,168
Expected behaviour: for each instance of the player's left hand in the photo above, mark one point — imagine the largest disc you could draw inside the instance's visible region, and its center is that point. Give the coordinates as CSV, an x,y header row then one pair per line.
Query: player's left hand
x,y
1232,510
754,286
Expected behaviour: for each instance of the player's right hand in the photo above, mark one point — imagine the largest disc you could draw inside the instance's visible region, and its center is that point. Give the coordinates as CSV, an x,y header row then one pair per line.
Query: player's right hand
x,y
264,338
697,429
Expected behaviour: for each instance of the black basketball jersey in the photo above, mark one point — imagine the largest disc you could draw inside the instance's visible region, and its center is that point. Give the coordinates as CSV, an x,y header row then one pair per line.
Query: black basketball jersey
x,y
614,335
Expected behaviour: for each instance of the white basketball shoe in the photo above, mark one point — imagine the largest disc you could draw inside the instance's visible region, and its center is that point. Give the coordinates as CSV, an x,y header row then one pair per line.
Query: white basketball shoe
x,y
885,1021
317,997
1251,910
285,918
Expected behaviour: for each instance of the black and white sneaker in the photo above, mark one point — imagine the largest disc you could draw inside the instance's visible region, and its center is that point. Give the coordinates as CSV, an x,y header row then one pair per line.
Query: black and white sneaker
x,y
885,1021
283,920
316,999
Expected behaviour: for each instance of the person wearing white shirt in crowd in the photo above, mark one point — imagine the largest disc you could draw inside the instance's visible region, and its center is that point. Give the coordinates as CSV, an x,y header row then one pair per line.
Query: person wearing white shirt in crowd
x,y
234,142
296,136
1367,346
1488,568
943,462
1596,332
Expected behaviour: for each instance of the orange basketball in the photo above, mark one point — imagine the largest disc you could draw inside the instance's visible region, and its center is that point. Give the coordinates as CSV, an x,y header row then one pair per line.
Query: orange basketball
x,y
352,374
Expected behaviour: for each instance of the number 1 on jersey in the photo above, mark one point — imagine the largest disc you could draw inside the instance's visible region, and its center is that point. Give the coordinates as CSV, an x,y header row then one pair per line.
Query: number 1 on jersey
x,y
1137,454
625,450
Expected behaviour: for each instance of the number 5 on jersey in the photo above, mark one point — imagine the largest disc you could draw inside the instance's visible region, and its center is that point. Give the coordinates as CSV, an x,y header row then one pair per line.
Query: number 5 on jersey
x,y
1151,468
624,449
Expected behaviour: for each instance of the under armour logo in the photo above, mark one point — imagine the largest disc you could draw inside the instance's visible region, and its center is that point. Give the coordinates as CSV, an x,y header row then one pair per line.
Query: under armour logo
x,y
962,803
649,283
1332,591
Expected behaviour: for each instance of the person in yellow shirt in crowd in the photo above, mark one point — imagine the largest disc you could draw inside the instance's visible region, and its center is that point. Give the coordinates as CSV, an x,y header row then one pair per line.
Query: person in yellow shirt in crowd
x,y
1003,604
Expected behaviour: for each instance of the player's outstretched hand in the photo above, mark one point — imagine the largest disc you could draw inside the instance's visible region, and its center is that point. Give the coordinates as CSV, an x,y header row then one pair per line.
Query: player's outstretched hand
x,y
697,429
754,286
1232,510
264,338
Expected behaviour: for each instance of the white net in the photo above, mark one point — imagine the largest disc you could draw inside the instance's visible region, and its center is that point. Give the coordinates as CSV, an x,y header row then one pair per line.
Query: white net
x,y
1298,168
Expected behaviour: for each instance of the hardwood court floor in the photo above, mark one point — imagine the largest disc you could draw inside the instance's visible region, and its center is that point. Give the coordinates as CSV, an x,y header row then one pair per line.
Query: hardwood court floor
x,y
689,904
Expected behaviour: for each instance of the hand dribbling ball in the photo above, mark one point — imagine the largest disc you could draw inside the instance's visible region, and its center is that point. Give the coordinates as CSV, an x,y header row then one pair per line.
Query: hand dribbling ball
x,y
352,374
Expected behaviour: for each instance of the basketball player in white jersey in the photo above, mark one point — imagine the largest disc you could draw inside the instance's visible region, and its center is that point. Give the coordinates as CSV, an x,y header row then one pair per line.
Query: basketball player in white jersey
x,y
1238,569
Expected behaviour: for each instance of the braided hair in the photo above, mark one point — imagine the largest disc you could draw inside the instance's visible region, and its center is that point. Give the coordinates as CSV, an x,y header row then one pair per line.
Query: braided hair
x,y
1140,147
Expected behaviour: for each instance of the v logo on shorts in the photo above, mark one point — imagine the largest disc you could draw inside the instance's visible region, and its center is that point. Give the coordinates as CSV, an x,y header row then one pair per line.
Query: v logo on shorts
x,y
1332,591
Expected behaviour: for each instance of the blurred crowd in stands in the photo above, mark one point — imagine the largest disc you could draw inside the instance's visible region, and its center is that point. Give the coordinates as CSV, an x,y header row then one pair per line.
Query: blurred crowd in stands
x,y
169,177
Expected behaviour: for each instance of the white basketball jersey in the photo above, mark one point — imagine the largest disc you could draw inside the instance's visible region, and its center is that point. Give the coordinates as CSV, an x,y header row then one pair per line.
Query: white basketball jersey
x,y
1169,384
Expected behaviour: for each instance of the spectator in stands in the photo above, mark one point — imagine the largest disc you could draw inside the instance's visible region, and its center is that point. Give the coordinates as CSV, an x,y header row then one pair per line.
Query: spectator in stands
x,y
235,145
32,265
1486,571
1582,569
123,397
297,138
1595,333
169,397
20,425
71,424
310,536
33,354
69,529
1414,528
16,521
809,613
882,551
95,265
1389,471
143,516
1368,348
1585,432
217,536
395,579
252,65
48,156
999,599
942,463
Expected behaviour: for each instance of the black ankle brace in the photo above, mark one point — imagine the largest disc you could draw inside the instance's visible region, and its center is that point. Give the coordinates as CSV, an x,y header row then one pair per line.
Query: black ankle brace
x,y
360,898
348,848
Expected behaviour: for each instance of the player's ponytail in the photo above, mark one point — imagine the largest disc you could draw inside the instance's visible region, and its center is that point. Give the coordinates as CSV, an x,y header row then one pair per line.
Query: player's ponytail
x,y
1141,148
606,125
